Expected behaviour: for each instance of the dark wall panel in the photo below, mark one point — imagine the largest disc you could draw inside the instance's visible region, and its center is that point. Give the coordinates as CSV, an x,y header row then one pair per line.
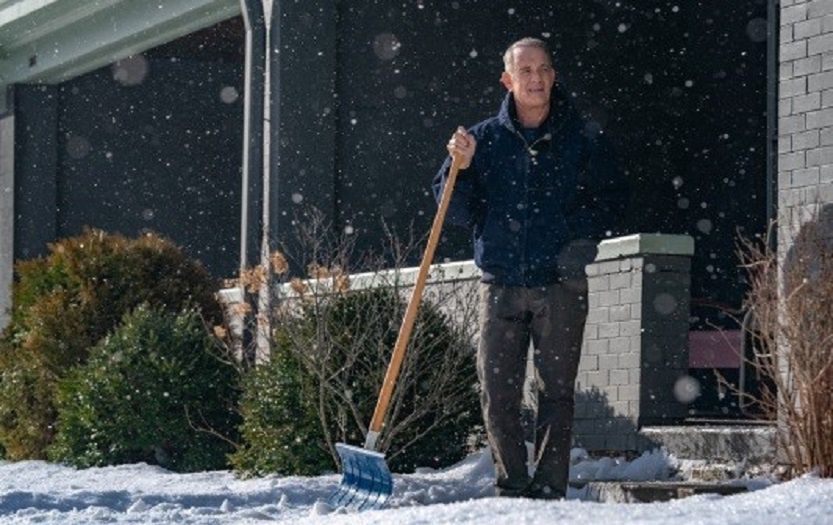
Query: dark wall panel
x,y
155,144
35,163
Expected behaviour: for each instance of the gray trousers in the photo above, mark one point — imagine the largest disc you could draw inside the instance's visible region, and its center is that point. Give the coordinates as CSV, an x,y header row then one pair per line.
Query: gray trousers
x,y
553,318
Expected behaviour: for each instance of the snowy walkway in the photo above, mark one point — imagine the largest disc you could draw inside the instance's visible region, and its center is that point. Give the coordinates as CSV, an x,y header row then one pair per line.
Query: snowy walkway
x,y
39,492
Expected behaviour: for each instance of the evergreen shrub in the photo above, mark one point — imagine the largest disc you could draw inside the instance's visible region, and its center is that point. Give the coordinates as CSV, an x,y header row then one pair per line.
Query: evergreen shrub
x,y
67,301
154,391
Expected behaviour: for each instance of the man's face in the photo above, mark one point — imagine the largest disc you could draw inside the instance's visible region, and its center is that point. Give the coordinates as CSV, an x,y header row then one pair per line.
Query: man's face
x,y
531,78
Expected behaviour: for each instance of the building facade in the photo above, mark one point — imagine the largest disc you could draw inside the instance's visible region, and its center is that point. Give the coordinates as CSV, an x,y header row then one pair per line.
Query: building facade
x,y
130,116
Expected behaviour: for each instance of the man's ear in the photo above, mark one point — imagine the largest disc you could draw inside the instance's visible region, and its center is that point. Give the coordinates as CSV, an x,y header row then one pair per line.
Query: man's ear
x,y
506,80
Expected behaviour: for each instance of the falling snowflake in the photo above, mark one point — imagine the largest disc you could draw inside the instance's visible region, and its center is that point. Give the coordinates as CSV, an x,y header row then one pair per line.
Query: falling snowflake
x,y
229,94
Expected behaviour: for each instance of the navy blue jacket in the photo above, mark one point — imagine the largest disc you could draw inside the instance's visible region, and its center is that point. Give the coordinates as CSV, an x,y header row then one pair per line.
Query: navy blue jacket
x,y
537,210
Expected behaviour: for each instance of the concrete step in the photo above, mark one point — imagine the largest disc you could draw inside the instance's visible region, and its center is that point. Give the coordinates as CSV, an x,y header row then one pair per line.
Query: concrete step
x,y
651,491
749,443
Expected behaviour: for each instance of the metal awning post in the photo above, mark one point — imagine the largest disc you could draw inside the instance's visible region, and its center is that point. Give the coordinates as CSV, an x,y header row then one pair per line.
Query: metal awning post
x,y
261,18
253,121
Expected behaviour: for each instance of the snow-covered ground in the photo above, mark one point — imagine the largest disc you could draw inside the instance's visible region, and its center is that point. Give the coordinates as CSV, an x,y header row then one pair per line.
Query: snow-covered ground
x,y
39,492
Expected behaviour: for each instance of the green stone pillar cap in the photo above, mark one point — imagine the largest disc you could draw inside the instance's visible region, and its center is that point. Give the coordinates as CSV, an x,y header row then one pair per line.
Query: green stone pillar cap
x,y
645,244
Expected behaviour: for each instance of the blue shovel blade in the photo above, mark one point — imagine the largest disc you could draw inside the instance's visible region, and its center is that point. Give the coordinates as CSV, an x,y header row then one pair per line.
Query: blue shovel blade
x,y
366,483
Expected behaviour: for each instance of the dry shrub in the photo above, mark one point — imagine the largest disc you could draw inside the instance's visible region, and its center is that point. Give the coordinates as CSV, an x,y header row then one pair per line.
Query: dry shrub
x,y
332,338
792,303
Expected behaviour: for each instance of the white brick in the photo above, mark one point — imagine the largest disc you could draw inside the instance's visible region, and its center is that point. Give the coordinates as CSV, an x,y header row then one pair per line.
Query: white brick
x,y
608,267
628,393
806,103
791,161
815,9
611,394
819,156
630,296
819,119
785,107
805,177
620,345
591,331
826,136
609,298
827,98
608,330
820,81
597,379
807,66
826,175
588,362
628,360
620,280
785,34
597,346
827,24
598,315
629,328
785,144
793,14
818,44
826,193
810,194
794,50
827,61
791,88
793,124
807,28
791,196
785,70
620,313
619,377
806,140
599,283
608,362
593,299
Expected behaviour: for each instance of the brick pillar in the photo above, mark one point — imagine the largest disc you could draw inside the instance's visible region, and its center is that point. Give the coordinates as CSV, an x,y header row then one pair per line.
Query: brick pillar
x,y
635,354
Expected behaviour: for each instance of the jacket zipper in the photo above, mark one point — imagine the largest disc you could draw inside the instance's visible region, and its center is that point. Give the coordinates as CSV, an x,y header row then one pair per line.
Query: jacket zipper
x,y
530,149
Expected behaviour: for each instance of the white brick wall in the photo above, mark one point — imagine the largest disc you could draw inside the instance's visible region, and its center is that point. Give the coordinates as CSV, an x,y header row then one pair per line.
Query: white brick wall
x,y
805,108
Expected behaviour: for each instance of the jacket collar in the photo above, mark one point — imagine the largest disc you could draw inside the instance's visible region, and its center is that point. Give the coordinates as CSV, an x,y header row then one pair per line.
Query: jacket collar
x,y
560,109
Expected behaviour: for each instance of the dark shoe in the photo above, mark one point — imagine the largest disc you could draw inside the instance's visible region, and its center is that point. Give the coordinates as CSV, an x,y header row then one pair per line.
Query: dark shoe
x,y
544,492
510,492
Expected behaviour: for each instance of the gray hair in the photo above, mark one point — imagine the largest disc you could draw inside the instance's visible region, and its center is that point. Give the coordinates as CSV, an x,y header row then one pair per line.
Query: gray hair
x,y
509,57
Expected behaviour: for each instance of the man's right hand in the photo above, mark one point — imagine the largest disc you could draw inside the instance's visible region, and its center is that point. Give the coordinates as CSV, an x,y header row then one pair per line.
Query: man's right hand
x,y
462,146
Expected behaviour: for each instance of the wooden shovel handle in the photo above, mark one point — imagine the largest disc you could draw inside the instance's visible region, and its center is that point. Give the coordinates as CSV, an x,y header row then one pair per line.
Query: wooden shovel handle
x,y
413,304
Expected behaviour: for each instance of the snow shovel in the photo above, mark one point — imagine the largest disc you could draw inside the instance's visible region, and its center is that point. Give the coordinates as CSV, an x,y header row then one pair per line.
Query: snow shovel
x,y
367,482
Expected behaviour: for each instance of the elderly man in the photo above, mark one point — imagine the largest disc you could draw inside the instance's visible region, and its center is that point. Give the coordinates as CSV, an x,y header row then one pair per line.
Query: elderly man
x,y
538,188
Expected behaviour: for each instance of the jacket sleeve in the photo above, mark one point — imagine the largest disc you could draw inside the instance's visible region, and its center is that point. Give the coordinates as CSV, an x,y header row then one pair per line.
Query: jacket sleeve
x,y
603,193
462,211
